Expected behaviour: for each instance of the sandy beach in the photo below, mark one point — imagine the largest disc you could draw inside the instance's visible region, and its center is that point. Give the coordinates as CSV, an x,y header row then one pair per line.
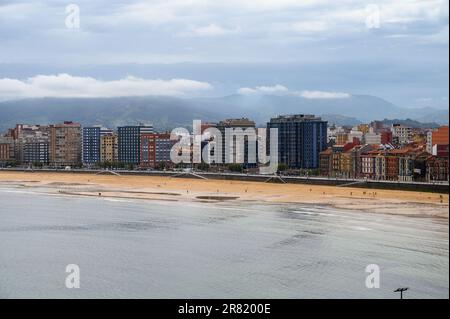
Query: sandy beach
x,y
419,204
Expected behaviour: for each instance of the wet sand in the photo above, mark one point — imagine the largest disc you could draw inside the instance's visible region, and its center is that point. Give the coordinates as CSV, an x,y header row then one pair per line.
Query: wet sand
x,y
418,204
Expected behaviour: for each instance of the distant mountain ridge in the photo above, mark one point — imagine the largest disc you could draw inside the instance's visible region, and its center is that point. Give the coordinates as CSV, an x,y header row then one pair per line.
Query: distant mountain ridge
x,y
410,123
166,113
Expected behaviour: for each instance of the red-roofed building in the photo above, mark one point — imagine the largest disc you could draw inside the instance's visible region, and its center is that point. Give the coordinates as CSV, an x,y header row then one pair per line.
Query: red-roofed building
x,y
368,164
386,137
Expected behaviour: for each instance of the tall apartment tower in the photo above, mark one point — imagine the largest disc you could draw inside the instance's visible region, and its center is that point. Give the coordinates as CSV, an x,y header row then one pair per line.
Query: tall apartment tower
x,y
32,144
65,144
92,144
129,143
6,150
231,153
300,139
108,147
401,134
155,149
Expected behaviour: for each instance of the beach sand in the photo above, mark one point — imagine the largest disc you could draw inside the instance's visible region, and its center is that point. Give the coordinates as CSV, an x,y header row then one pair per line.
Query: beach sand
x,y
419,204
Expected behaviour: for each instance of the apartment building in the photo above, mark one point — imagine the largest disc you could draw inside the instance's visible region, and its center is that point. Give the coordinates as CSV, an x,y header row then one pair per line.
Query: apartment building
x,y
439,136
368,165
65,144
129,143
326,162
372,138
380,165
342,138
92,144
239,145
108,147
401,134
392,167
386,137
437,168
6,150
301,138
32,144
155,149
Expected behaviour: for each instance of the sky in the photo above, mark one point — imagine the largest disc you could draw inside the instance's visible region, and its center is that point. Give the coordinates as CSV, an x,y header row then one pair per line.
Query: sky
x,y
397,50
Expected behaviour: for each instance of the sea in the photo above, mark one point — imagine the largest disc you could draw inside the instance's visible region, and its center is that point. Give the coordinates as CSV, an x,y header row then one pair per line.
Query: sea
x,y
125,248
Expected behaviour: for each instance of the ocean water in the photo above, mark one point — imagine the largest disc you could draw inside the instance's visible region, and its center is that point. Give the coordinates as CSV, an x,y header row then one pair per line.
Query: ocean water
x,y
156,249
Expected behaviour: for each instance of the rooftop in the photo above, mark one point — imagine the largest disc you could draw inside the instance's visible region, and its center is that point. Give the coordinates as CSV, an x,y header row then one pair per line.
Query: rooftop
x,y
237,122
295,118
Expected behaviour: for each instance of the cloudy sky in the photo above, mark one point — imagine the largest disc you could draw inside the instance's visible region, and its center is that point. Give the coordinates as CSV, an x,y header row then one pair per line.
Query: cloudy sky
x,y
397,50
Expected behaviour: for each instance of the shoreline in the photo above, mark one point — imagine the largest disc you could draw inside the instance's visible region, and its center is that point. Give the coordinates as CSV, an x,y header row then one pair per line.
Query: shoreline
x,y
393,202
440,187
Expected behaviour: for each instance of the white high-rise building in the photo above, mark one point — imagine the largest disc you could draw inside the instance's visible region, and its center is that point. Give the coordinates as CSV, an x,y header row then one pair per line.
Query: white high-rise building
x,y
401,134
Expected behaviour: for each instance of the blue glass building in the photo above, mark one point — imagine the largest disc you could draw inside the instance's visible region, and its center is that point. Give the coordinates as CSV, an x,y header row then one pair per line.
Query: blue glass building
x,y
129,144
300,139
91,144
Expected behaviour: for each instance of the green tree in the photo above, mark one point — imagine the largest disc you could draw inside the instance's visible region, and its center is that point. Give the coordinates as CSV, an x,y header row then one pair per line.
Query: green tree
x,y
203,166
37,164
237,168
282,167
12,163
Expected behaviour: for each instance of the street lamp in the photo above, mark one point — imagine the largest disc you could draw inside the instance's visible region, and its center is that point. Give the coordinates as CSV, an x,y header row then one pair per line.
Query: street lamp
x,y
401,290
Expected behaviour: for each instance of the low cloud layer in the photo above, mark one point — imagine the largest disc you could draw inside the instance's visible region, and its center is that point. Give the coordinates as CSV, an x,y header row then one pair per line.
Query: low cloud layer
x,y
211,30
65,85
276,89
282,90
323,95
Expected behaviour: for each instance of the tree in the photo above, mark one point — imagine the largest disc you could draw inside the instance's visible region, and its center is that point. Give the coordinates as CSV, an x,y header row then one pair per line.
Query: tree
x,y
237,168
119,165
282,167
12,163
37,164
203,166
107,164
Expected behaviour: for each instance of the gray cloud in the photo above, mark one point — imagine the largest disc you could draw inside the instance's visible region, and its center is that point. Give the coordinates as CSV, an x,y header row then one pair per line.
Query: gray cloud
x,y
150,31
401,54
65,85
279,89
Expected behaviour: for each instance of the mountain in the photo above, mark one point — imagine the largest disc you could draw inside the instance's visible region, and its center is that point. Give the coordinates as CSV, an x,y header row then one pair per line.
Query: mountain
x,y
432,115
164,112
340,120
261,107
168,112
410,123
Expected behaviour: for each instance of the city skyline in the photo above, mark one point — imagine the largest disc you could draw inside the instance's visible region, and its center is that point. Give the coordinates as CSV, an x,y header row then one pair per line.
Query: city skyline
x,y
303,143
